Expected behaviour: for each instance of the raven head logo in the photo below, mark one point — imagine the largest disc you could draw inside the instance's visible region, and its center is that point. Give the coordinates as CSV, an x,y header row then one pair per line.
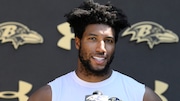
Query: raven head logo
x,y
18,34
151,32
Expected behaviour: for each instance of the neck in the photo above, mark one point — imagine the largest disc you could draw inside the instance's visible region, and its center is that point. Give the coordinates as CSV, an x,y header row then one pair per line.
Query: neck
x,y
89,77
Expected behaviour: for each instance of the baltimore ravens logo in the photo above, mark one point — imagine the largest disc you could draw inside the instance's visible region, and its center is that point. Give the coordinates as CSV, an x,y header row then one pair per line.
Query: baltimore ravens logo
x,y
98,96
18,34
150,32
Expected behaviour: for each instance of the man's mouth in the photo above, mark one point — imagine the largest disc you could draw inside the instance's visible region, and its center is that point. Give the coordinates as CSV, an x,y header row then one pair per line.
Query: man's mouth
x,y
99,60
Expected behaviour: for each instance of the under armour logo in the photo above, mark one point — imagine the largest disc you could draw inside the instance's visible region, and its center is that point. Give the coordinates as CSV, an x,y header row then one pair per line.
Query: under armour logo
x,y
65,41
160,88
24,88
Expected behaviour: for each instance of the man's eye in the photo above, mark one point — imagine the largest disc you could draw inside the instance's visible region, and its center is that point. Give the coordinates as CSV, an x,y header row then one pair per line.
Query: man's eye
x,y
108,41
92,38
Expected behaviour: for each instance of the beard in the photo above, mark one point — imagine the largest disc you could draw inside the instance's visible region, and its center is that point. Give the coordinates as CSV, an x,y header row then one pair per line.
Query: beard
x,y
89,68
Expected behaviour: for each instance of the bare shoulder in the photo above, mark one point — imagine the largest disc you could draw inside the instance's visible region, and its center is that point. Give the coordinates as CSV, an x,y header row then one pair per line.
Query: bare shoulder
x,y
42,94
150,95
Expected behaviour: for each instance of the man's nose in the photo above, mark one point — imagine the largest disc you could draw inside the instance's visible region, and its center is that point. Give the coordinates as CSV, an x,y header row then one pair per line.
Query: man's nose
x,y
101,47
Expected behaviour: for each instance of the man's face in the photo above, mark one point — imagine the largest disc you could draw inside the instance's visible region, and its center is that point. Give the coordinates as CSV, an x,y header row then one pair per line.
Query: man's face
x,y
96,48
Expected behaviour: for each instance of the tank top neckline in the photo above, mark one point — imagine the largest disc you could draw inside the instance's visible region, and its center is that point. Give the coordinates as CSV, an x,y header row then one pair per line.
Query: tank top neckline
x,y
93,84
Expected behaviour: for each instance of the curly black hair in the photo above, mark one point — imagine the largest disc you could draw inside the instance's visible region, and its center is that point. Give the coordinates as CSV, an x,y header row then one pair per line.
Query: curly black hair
x,y
90,12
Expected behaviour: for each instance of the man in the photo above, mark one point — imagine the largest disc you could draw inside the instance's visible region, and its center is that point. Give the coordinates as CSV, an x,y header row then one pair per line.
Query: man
x,y
96,29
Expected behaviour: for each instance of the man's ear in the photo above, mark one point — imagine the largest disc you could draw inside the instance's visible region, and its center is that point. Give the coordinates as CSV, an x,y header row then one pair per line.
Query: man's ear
x,y
77,42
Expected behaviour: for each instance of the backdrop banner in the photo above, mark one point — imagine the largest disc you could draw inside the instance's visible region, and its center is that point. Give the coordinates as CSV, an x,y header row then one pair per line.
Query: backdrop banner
x,y
37,45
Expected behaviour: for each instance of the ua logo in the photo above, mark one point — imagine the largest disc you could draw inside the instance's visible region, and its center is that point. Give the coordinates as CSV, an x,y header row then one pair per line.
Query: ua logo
x,y
18,34
151,32
65,41
24,88
160,88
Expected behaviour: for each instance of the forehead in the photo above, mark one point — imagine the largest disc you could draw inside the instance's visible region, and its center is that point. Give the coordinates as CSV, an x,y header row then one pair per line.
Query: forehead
x,y
99,29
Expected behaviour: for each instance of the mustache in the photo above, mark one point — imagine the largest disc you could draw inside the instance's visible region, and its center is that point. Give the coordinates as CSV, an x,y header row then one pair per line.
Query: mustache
x,y
100,54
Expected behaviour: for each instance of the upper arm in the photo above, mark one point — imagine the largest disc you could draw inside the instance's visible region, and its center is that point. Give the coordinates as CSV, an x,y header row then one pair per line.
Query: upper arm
x,y
42,94
150,95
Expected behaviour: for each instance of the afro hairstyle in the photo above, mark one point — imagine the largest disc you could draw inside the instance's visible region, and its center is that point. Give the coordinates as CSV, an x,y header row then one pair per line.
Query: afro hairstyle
x,y
90,12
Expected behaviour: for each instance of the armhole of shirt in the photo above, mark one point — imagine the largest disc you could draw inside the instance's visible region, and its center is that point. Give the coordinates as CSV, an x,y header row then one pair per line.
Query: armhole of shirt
x,y
55,89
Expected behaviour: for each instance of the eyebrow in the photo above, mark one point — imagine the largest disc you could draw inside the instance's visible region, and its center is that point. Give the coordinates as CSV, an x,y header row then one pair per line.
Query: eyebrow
x,y
91,34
